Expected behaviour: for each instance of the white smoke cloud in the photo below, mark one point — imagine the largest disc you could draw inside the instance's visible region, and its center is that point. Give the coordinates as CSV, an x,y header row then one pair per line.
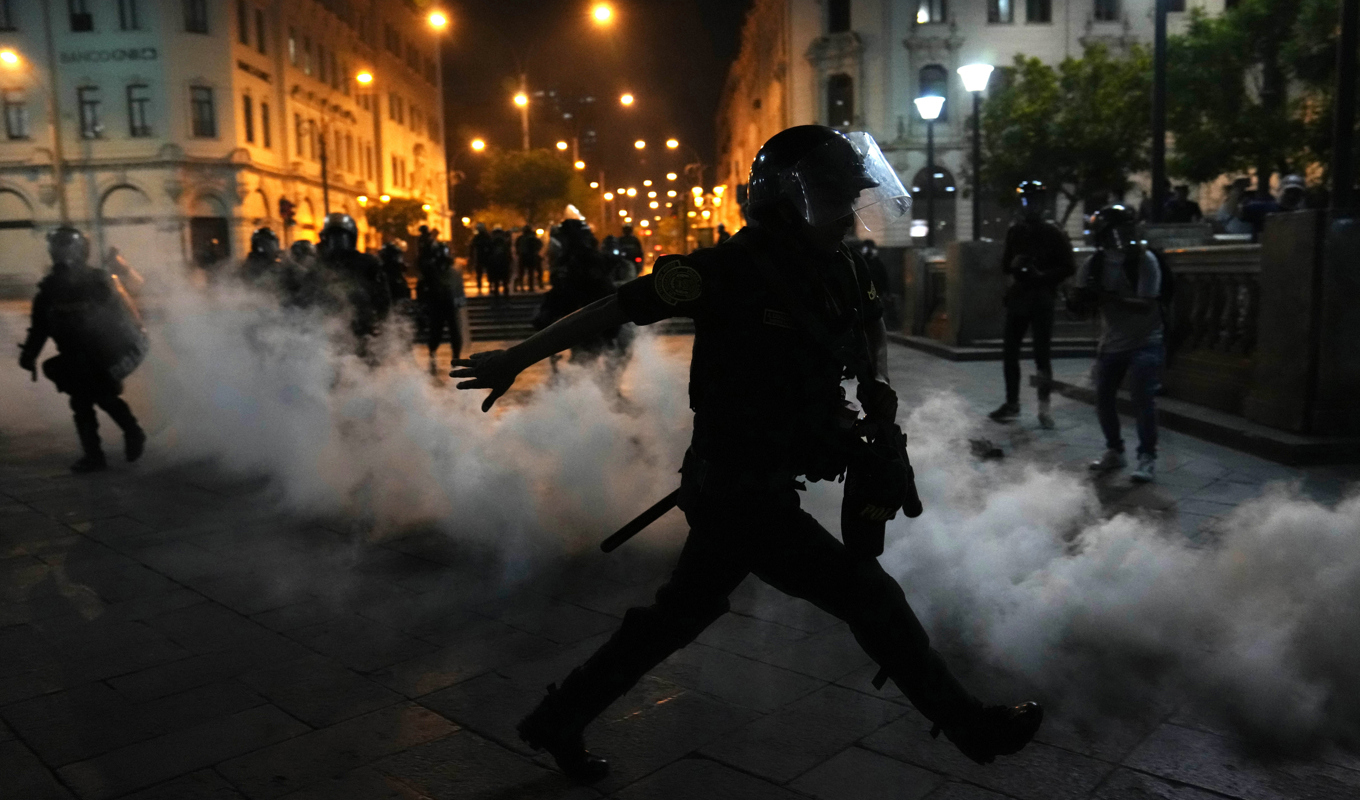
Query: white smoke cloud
x,y
1012,563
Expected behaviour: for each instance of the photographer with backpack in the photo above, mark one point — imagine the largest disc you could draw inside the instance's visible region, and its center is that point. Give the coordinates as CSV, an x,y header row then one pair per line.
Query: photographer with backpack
x,y
1127,284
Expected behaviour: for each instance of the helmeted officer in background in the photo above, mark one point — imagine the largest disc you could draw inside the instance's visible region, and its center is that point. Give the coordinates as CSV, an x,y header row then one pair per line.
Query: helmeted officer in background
x,y
583,276
1038,257
442,298
479,253
630,249
528,256
354,282
99,339
263,265
782,312
392,256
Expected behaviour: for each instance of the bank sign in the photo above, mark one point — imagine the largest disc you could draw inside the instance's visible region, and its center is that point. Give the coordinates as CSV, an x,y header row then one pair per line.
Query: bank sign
x,y
102,56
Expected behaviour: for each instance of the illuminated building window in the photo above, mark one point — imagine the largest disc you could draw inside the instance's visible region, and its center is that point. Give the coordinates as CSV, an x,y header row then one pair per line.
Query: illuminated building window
x,y
202,112
243,22
139,105
931,11
16,114
195,16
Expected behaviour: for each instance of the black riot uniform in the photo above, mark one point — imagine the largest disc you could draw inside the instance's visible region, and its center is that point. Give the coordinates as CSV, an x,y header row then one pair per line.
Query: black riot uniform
x,y
528,249
582,275
353,282
479,253
1037,257
263,266
768,409
99,342
630,249
442,299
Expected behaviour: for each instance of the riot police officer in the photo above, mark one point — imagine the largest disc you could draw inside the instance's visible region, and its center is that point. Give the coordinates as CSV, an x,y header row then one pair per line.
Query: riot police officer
x,y
262,267
392,256
442,298
582,276
354,282
783,311
99,341
630,248
479,253
528,250
1037,257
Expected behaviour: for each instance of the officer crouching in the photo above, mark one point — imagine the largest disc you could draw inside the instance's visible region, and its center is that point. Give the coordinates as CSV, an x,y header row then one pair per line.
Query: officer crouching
x,y
99,338
782,312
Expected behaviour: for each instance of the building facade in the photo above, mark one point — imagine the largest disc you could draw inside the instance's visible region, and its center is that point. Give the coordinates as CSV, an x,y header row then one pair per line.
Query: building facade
x,y
171,129
859,64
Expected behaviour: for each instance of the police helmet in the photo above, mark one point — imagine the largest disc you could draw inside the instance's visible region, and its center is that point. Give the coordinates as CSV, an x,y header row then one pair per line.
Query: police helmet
x,y
393,251
265,242
339,232
302,251
1113,226
826,175
1033,195
68,246
627,230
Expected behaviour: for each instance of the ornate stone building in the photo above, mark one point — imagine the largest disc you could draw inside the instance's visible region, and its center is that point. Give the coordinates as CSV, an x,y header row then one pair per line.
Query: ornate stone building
x,y
180,125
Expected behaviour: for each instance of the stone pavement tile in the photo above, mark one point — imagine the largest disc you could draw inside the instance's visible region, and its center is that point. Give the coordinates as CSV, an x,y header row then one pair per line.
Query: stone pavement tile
x,y
550,666
465,766
828,654
201,704
111,531
119,660
248,594
360,643
187,673
963,791
862,681
202,785
211,628
25,532
1207,508
856,773
1125,784
1107,738
748,636
693,778
66,506
1209,761
546,617
79,723
789,742
654,724
155,760
23,777
607,596
488,645
75,636
736,679
1039,772
181,560
489,705
432,611
364,783
319,691
299,762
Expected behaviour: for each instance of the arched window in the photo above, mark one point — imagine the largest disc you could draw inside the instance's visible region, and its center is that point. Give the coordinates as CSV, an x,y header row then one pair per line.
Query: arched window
x,y
840,101
837,16
934,81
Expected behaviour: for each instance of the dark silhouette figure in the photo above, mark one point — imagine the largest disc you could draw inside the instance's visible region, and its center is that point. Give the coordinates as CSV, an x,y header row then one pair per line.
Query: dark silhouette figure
x,y
498,264
630,250
442,299
583,275
528,249
1181,209
479,253
352,283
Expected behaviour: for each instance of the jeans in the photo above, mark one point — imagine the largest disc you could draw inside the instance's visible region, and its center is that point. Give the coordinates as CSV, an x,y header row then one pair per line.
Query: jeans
x,y
1144,366
1031,310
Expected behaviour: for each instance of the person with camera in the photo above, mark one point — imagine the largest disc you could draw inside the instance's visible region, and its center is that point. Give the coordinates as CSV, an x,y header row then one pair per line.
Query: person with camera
x,y
783,311
1037,257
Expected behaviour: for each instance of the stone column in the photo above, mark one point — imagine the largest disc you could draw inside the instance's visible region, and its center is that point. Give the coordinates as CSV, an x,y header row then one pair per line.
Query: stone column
x,y
974,285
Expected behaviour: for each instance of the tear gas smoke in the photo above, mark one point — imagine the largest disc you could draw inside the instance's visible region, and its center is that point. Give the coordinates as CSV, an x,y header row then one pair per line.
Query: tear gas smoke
x,y
1012,563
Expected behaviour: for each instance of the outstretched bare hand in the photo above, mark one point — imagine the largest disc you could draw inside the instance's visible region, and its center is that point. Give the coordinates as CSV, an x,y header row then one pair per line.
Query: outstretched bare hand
x,y
489,370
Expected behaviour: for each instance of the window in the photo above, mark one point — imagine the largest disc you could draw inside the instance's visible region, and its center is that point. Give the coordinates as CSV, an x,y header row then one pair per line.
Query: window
x,y
935,83
335,73
128,18
321,62
349,152
931,11
301,134
139,105
1107,10
243,22
838,16
248,117
292,46
266,136
6,16
259,32
202,112
840,101
195,16
87,98
1039,10
346,79
307,55
16,114
1000,11
82,21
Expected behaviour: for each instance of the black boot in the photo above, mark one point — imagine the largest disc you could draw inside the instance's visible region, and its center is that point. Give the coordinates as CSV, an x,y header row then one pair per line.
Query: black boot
x,y
134,442
553,728
995,731
87,428
134,438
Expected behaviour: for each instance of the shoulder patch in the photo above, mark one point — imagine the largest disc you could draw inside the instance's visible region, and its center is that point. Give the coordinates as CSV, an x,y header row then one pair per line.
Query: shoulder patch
x,y
677,282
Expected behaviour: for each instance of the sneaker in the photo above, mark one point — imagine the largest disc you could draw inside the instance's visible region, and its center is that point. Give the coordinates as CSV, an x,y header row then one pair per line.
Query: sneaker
x,y
1147,469
90,463
1007,412
997,731
1109,460
134,442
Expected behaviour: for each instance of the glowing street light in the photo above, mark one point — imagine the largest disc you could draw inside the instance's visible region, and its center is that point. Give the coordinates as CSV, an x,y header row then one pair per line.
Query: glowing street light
x,y
521,99
438,20
639,144
623,213
385,198
718,190
426,207
975,77
632,191
9,58
671,193
478,145
671,144
621,190
670,176
647,182
467,221
362,199
608,196
602,13
654,204
594,184
644,223
651,194
697,190
580,165
562,145
929,108
626,99
365,77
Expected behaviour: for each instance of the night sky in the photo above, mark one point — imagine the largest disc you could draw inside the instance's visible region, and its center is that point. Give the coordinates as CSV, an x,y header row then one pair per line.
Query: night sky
x,y
672,55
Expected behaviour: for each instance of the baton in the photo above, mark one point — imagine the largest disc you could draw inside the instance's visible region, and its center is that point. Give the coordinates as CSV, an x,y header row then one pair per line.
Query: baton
x,y
640,521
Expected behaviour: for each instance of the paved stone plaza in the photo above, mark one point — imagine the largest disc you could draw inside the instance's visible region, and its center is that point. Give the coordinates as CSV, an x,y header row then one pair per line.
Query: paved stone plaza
x,y
150,649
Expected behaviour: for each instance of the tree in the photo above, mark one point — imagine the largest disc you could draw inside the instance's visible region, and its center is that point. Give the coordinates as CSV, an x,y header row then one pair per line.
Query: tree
x,y
535,183
1080,128
1236,102
395,218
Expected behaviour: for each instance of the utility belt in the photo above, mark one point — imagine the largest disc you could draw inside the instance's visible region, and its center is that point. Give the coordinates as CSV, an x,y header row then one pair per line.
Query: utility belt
x,y
703,478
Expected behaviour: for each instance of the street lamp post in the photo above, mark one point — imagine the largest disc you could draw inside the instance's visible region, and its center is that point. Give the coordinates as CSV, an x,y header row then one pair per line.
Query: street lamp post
x,y
929,107
1159,110
975,77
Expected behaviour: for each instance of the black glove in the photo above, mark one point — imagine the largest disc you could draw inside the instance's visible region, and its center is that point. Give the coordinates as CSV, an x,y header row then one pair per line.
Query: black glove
x,y
878,483
28,362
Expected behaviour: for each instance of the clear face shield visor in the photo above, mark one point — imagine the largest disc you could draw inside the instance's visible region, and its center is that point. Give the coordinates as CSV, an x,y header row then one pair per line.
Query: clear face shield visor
x,y
834,181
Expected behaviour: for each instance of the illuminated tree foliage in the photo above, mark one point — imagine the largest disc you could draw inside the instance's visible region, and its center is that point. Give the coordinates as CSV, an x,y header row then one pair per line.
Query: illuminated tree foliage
x,y
535,183
397,218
